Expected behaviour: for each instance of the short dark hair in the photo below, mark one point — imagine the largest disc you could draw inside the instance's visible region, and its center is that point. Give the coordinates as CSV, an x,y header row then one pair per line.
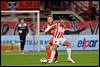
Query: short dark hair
x,y
21,19
50,16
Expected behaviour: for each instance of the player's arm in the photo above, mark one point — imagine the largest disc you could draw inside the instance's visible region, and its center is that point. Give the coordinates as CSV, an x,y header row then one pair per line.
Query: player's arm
x,y
48,29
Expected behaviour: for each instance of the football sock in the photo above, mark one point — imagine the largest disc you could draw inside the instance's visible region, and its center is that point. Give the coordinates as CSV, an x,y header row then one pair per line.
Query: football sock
x,y
52,55
56,55
48,52
69,53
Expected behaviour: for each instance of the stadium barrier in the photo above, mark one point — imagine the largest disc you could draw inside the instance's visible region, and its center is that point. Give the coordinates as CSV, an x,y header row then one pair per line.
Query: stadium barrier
x,y
10,48
80,42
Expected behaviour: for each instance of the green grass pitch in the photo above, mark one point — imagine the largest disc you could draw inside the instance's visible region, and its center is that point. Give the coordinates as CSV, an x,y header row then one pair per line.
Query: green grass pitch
x,y
82,58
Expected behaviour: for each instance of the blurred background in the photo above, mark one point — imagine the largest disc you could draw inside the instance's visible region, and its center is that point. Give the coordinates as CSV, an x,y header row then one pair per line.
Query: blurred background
x,y
82,30
82,19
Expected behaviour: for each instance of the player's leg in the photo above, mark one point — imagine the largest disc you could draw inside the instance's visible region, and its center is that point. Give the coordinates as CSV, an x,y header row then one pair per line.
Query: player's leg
x,y
22,43
56,57
48,51
24,39
68,46
53,52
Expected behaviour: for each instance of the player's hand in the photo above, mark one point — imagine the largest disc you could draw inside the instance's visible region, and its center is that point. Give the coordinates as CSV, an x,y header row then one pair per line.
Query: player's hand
x,y
20,31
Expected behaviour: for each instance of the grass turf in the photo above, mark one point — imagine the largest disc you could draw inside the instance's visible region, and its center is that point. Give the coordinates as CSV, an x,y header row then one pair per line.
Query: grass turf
x,y
82,58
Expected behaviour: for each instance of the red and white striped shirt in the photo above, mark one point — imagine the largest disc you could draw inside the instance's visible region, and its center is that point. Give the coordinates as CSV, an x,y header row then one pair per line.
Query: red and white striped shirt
x,y
58,32
53,24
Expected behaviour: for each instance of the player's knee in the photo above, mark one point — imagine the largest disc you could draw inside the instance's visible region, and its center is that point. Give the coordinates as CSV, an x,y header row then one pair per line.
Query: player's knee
x,y
47,46
66,43
55,47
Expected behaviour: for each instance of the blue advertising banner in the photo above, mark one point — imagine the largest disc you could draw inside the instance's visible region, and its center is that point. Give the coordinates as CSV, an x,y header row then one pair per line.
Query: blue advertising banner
x,y
80,42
